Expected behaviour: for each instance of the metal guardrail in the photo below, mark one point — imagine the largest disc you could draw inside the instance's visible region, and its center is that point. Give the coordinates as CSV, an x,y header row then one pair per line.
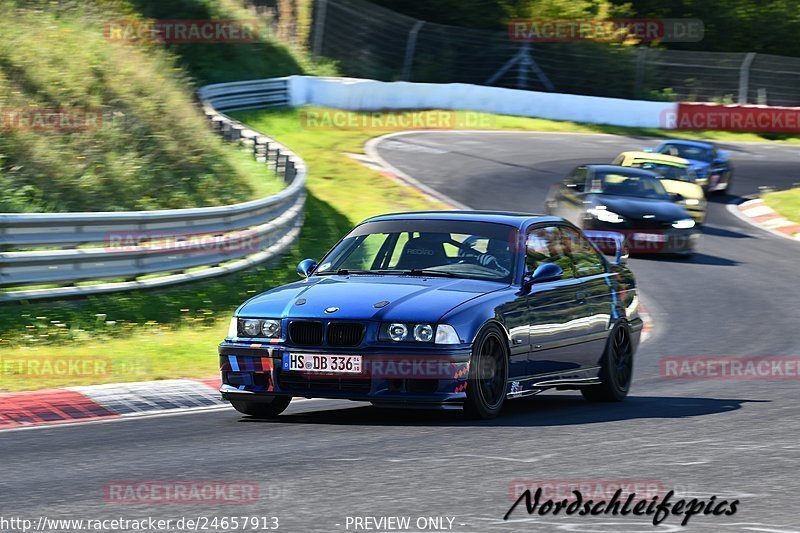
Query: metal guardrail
x,y
165,244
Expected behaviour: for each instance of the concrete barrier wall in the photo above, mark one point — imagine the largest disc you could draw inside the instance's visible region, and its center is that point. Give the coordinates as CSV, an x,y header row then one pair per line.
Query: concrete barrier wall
x,y
361,95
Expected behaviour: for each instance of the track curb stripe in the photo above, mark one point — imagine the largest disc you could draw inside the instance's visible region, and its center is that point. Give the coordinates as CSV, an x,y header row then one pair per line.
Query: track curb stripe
x,y
759,214
52,406
95,402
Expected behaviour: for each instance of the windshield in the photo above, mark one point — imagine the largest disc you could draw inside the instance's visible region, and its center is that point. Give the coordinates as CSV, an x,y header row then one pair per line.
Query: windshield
x,y
687,152
668,172
459,249
618,184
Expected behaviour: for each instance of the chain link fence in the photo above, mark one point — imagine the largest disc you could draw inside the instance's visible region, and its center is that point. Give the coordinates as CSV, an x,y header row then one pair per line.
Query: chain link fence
x,y
370,41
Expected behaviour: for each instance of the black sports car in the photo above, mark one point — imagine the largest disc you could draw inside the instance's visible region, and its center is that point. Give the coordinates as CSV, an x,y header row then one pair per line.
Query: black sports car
x,y
611,202
439,310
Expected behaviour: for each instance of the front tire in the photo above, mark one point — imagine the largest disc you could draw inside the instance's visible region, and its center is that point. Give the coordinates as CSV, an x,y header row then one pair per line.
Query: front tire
x,y
488,374
616,372
269,409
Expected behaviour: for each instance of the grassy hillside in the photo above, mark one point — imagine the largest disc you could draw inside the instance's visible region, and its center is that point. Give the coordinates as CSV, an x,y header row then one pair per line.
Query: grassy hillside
x,y
150,148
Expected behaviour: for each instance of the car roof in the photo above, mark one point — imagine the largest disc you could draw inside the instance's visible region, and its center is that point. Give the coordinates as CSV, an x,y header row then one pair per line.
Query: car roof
x,y
508,218
687,142
618,168
655,157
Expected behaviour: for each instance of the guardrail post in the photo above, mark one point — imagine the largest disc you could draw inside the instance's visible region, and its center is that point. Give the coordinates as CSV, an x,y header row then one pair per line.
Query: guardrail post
x,y
226,130
266,154
280,163
319,26
744,77
638,78
411,46
291,171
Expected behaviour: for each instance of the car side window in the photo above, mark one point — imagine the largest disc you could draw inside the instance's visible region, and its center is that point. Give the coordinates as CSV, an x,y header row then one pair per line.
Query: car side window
x,y
577,180
546,245
587,261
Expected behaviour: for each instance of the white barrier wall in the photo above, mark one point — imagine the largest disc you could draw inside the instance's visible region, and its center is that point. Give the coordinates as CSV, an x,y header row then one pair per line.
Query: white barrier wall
x,y
361,95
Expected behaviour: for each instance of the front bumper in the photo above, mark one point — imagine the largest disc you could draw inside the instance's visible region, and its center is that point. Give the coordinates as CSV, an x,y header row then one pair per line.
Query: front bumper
x,y
646,240
424,377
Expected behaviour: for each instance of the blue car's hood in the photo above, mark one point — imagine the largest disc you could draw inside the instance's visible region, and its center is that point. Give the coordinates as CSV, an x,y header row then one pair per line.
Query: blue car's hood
x,y
410,298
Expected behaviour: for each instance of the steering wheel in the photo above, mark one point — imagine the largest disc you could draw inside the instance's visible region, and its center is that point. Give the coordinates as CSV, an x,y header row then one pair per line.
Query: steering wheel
x,y
469,255
489,261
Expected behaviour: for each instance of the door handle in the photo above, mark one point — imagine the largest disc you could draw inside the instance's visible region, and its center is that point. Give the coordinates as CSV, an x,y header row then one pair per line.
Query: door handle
x,y
580,297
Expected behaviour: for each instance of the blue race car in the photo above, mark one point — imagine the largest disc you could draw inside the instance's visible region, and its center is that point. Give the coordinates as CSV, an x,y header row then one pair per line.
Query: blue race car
x,y
712,166
439,310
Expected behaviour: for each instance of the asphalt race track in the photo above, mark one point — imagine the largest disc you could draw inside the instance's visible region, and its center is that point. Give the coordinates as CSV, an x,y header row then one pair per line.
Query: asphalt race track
x,y
327,460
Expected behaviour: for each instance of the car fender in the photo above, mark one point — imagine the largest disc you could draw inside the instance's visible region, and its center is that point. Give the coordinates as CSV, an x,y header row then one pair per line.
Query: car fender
x,y
470,317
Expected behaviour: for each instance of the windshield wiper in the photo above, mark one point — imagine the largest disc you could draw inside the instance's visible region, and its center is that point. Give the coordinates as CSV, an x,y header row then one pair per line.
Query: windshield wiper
x,y
430,272
342,272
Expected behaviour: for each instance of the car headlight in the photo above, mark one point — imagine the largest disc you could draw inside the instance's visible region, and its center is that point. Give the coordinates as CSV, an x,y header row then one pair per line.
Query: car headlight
x,y
422,333
233,328
602,214
692,201
686,223
398,332
271,328
251,327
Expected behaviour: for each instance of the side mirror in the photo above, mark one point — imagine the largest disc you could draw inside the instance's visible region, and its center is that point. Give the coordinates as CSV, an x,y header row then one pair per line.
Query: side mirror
x,y
306,267
675,197
544,273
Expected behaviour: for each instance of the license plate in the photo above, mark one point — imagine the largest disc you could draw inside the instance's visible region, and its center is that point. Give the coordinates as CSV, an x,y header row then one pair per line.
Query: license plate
x,y
649,237
326,364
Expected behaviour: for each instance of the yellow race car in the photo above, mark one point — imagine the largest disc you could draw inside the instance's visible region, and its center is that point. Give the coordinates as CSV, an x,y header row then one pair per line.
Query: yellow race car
x,y
676,175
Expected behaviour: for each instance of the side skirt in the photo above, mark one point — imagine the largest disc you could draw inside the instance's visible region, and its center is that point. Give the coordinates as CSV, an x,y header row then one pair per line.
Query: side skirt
x,y
531,385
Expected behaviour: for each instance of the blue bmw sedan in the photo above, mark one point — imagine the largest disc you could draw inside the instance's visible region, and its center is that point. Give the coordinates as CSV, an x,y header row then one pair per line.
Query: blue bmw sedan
x,y
448,310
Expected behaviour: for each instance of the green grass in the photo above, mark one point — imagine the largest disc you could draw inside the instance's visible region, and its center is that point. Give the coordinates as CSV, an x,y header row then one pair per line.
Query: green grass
x,y
173,332
151,147
149,355
787,203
